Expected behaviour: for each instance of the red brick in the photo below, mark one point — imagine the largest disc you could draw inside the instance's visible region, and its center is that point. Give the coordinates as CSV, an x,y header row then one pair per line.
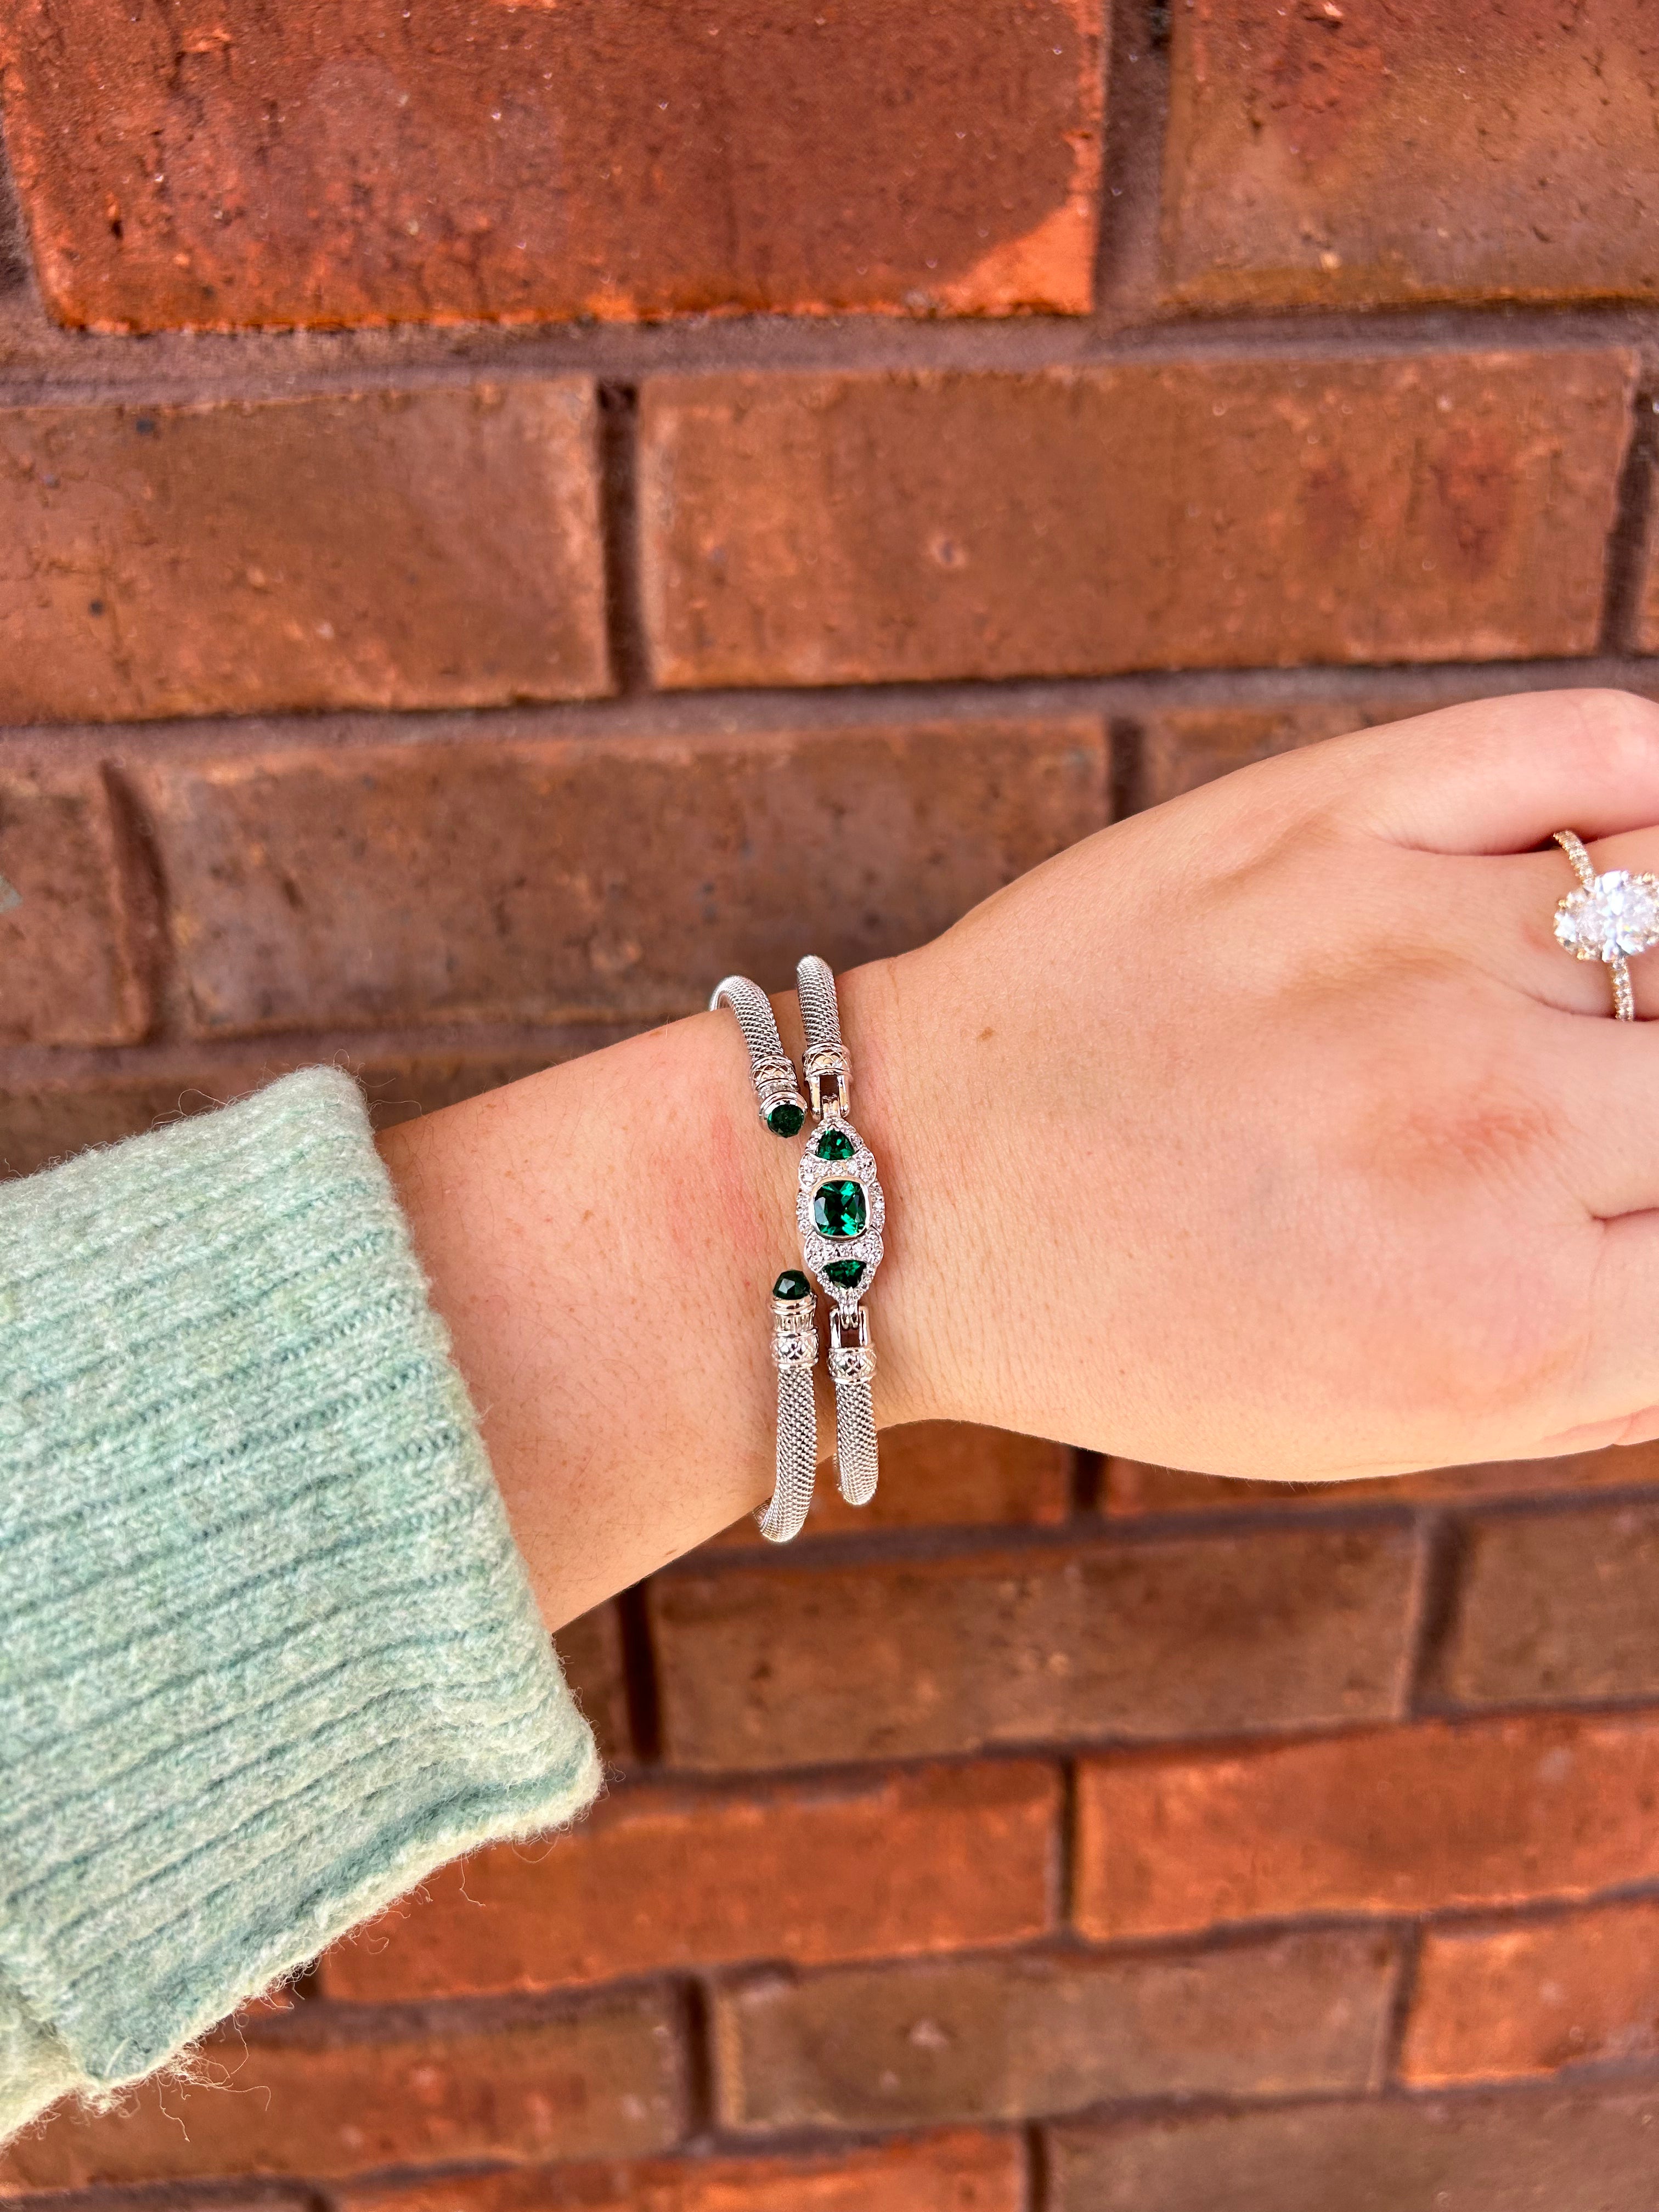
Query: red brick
x,y
590,1652
1503,2002
1404,1820
1511,2153
434,547
873,527
606,2082
1134,1488
1184,746
1556,1607
1499,149
958,2172
782,1665
498,881
1003,2038
944,1472
659,1877
319,165
1647,606
71,953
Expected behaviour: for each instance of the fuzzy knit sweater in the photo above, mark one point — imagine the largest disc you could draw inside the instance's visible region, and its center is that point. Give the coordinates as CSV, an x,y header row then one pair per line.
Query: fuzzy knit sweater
x,y
268,1654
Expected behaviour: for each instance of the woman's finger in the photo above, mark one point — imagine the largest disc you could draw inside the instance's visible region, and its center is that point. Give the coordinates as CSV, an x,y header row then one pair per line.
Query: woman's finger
x,y
1510,906
1620,1377
1600,1082
1503,774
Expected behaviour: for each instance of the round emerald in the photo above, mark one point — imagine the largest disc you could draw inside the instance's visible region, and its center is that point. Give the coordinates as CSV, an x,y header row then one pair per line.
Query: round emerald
x,y
845,1275
839,1209
836,1145
792,1285
784,1120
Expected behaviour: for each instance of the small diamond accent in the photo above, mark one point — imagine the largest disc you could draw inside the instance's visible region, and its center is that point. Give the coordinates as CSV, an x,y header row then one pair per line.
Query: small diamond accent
x,y
1618,913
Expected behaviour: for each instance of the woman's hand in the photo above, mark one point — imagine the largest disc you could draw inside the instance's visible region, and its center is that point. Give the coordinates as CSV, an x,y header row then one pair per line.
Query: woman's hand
x,y
1271,1133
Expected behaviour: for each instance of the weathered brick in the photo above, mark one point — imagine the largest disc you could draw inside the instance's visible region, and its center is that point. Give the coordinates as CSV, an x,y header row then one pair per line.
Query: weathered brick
x,y
1002,2039
71,952
1555,1606
431,547
779,1665
590,1652
1499,149
1132,1487
1526,2153
658,1877
1494,2003
1647,603
44,1121
835,528
607,2082
319,164
958,2171
481,880
1184,746
1403,1820
944,1472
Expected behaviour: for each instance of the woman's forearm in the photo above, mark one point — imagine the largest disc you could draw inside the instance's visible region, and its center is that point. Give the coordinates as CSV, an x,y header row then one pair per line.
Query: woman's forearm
x,y
601,1240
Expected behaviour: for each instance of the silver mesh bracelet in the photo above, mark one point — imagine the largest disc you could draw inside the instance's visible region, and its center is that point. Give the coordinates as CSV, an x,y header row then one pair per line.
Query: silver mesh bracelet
x,y
794,1309
842,1213
782,1109
794,1354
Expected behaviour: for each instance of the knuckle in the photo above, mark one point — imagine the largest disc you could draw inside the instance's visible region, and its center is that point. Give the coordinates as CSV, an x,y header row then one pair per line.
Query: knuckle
x,y
1512,1344
1613,731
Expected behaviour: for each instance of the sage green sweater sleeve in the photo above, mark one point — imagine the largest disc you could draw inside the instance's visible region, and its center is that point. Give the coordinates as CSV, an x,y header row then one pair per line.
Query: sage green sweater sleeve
x,y
269,1653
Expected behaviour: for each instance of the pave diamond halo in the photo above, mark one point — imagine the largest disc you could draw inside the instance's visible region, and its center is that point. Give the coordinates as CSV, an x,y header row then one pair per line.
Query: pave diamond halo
x,y
1610,918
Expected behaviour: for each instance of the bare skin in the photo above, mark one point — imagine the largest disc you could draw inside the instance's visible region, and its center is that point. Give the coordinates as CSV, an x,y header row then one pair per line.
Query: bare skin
x,y
1269,1133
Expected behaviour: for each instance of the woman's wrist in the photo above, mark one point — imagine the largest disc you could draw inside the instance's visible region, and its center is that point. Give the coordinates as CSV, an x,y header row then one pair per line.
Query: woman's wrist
x,y
903,1304
601,1240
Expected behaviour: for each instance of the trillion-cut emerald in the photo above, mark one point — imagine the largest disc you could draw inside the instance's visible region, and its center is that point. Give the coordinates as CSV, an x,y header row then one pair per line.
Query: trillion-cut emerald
x,y
792,1285
845,1275
839,1209
836,1145
785,1119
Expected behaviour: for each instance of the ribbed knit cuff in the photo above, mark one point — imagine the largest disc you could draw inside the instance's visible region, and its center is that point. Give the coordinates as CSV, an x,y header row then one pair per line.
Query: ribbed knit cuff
x,y
270,1653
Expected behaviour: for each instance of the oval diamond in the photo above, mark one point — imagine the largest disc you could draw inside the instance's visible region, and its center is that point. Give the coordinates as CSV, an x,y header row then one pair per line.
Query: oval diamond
x,y
839,1209
1618,913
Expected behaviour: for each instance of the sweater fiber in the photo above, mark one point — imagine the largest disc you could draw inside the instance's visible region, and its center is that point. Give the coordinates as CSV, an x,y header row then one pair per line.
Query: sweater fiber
x,y
270,1654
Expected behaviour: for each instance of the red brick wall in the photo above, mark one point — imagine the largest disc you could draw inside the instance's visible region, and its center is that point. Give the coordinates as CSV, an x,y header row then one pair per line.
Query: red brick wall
x,y
480,482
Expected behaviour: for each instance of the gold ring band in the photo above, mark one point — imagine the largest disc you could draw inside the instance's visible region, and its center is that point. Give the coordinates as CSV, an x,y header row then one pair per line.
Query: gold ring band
x,y
1608,918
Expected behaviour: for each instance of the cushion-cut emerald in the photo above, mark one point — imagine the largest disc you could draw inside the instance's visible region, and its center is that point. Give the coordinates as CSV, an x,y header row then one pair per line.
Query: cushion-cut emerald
x,y
792,1285
839,1210
784,1118
845,1275
836,1145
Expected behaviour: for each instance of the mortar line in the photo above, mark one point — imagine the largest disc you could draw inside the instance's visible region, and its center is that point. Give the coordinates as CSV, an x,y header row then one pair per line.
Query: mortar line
x,y
1627,540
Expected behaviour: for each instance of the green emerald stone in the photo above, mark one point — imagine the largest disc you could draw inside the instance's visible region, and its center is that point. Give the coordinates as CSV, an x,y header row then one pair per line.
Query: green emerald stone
x,y
845,1275
784,1120
839,1210
836,1145
792,1285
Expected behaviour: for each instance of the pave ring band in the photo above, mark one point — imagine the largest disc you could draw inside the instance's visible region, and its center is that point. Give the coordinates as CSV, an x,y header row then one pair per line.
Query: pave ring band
x,y
1607,918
